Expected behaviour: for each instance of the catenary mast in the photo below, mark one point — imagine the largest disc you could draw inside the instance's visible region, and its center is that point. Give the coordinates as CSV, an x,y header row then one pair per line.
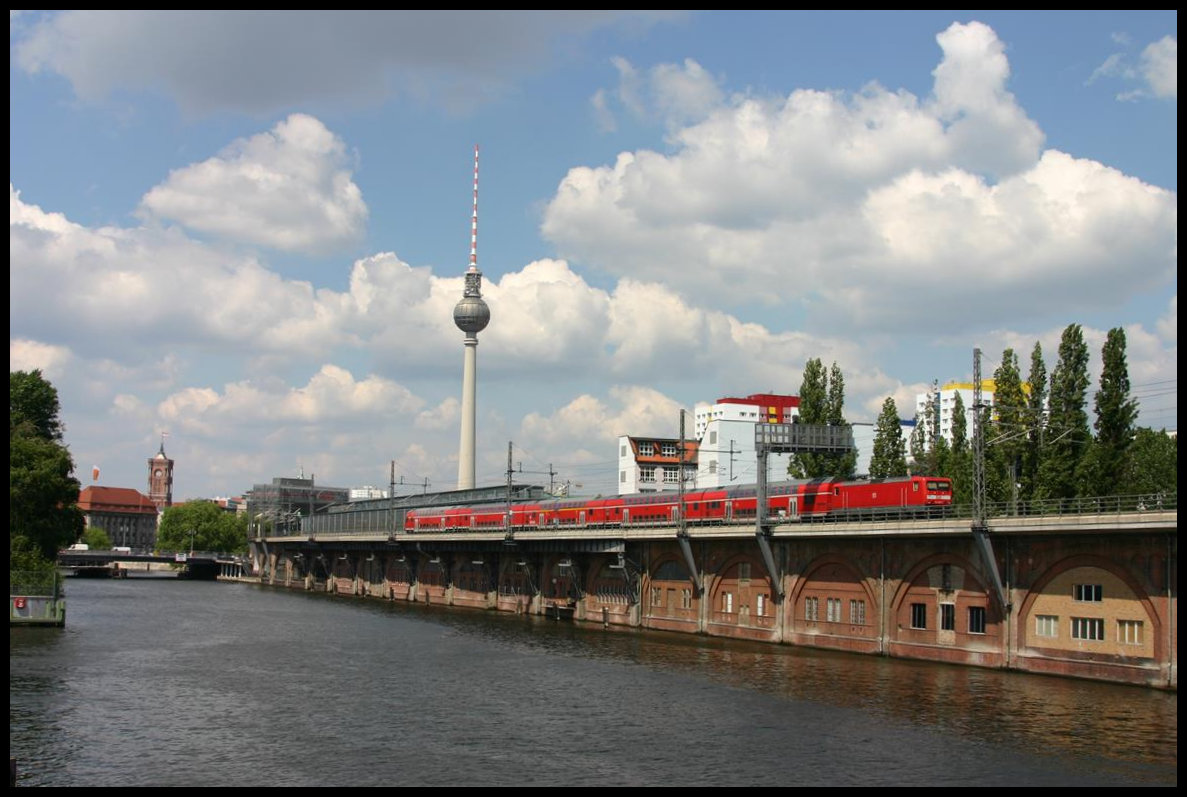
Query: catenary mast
x,y
471,316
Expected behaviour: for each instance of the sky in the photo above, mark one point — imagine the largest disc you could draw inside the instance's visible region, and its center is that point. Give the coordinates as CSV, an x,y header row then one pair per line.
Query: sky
x,y
242,234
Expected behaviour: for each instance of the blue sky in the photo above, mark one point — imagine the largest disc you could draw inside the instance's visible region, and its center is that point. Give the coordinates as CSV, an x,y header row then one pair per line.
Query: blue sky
x,y
248,230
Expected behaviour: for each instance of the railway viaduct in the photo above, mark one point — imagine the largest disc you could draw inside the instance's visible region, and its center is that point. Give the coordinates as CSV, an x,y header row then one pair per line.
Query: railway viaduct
x,y
1091,594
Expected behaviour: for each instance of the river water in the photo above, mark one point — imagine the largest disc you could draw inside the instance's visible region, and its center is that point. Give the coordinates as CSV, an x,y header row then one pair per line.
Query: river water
x,y
160,682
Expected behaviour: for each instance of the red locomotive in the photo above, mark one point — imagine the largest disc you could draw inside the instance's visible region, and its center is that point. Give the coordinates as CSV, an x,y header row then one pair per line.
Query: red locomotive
x,y
787,501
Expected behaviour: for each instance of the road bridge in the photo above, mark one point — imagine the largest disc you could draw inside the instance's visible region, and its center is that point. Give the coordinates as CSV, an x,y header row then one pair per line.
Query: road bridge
x,y
204,565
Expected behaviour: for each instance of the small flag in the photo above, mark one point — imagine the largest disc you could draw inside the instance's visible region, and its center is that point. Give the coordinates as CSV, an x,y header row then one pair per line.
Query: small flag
x,y
95,473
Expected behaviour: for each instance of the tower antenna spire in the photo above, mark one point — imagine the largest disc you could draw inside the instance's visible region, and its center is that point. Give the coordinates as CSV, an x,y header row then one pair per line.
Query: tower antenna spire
x,y
474,218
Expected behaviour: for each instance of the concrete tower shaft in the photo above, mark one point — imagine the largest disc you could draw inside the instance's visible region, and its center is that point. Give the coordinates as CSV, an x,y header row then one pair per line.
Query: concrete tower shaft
x,y
471,316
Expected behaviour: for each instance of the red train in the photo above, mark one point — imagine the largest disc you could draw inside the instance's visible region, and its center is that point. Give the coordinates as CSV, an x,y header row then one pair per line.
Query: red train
x,y
788,501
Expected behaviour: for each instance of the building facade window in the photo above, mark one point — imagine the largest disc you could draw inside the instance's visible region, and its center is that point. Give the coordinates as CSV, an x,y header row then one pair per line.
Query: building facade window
x,y
1087,593
812,609
622,476
669,449
727,602
1091,629
743,571
671,475
1047,625
647,474
919,615
947,616
976,619
1129,632
834,610
857,612
760,605
656,596
686,599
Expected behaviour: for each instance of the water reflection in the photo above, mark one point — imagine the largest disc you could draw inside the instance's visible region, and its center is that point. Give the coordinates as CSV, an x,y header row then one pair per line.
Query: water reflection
x,y
189,683
1032,712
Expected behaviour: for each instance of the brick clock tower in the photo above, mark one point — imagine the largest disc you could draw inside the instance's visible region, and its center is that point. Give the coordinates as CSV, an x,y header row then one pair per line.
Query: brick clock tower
x,y
160,479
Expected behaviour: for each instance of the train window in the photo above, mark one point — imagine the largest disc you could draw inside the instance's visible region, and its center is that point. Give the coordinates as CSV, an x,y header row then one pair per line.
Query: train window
x,y
914,487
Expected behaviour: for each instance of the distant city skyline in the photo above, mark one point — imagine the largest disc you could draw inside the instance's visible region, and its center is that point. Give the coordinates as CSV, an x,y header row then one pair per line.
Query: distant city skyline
x,y
250,229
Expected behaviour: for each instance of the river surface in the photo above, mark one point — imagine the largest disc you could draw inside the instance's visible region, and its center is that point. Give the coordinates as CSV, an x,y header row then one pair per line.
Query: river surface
x,y
160,682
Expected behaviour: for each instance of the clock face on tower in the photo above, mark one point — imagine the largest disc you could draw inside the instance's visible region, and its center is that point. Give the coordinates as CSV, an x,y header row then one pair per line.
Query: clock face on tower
x,y
157,473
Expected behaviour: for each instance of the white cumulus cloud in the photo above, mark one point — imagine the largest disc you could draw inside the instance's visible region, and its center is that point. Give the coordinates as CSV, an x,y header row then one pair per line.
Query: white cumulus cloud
x,y
867,207
289,188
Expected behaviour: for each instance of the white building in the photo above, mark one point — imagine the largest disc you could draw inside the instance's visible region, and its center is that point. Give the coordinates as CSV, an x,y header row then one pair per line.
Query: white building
x,y
652,464
726,433
945,399
366,493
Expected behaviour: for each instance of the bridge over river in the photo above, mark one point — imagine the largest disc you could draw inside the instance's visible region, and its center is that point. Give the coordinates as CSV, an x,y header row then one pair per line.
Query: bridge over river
x,y
189,564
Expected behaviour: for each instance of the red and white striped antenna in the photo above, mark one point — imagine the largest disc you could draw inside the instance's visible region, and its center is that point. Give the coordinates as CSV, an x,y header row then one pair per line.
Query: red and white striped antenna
x,y
474,218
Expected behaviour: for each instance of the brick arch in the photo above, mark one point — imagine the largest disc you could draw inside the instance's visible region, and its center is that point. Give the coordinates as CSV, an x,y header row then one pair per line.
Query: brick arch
x,y
758,571
971,594
925,564
1038,590
819,563
653,569
760,582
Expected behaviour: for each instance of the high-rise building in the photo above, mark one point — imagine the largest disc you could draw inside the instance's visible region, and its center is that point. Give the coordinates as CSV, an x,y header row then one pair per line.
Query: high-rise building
x,y
471,316
726,434
934,408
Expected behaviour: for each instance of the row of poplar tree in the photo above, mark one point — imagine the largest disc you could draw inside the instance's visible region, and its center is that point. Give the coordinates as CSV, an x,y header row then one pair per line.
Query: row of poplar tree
x,y
1038,442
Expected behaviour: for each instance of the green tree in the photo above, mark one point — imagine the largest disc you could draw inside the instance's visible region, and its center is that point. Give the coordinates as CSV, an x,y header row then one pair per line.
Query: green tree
x,y
822,401
813,409
1152,468
43,493
1036,420
959,465
201,526
1067,433
920,448
96,539
1006,434
888,458
1104,467
840,465
33,406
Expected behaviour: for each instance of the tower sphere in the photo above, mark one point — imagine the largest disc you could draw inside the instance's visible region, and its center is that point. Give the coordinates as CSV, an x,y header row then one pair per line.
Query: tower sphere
x,y
471,315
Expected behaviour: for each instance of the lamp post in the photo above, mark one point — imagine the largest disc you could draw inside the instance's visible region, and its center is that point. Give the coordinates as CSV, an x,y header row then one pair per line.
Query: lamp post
x,y
191,542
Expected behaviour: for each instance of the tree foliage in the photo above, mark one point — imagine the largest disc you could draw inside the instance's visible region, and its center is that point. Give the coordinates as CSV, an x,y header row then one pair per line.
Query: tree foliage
x,y
1067,433
43,493
958,462
1006,432
1036,420
1104,467
1153,465
822,401
201,526
813,409
96,539
33,406
889,457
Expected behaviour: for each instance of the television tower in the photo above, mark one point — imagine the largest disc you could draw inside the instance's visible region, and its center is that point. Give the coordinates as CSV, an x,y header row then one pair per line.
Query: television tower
x,y
471,316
